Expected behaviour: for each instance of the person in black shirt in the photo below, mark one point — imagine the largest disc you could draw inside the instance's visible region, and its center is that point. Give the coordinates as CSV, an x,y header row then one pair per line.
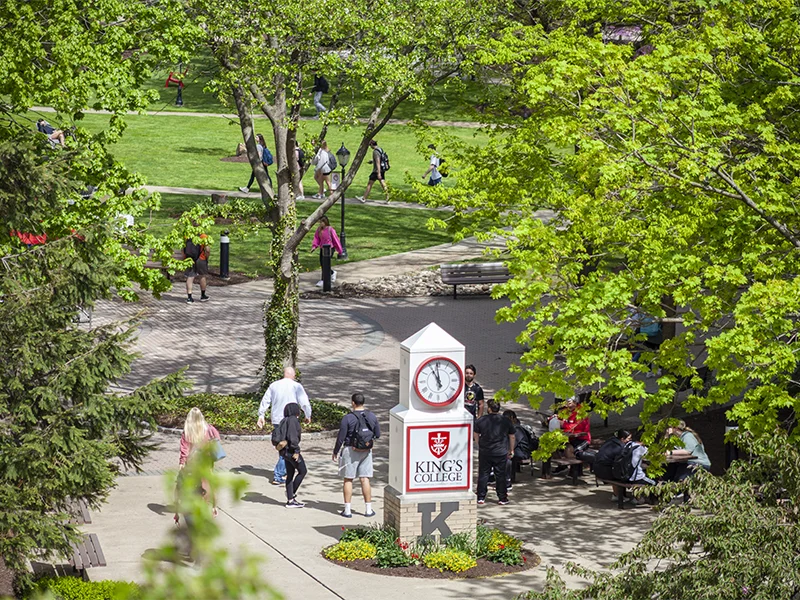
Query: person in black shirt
x,y
473,393
320,87
495,436
356,462
291,454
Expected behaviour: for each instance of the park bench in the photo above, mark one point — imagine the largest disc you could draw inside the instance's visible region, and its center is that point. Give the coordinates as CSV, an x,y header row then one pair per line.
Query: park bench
x,y
624,486
575,467
473,273
86,552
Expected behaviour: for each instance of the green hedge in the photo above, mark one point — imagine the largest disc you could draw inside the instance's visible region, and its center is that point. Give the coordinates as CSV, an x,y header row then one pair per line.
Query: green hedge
x,y
74,588
237,413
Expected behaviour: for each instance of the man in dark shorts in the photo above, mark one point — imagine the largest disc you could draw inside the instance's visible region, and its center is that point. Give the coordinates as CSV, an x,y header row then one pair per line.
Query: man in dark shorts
x,y
495,436
377,173
199,254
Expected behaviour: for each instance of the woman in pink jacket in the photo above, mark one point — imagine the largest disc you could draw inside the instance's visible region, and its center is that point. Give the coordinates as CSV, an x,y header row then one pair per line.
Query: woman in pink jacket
x,y
325,234
196,434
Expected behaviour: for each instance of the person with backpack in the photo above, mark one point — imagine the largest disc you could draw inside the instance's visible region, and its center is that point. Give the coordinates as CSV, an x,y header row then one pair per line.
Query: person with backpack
x,y
286,439
267,160
278,395
380,164
199,253
525,442
357,433
320,87
433,168
325,235
495,436
324,163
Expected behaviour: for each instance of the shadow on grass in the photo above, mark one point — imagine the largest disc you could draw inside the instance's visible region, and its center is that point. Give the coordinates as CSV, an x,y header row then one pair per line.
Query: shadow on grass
x,y
221,152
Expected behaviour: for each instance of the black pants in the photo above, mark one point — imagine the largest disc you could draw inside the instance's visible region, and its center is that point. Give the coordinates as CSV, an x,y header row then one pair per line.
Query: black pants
x,y
496,465
253,178
292,466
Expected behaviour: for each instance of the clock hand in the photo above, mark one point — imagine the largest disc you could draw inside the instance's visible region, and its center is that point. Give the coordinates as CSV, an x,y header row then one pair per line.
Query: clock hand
x,y
438,379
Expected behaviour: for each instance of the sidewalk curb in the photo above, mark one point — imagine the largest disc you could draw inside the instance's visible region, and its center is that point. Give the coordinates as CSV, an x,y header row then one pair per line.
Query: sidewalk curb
x,y
231,437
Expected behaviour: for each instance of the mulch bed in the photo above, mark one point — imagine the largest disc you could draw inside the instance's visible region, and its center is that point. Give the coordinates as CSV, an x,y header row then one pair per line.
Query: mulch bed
x,y
485,568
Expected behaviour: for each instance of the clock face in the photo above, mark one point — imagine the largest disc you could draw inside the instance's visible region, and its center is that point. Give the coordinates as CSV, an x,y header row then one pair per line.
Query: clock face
x,y
439,381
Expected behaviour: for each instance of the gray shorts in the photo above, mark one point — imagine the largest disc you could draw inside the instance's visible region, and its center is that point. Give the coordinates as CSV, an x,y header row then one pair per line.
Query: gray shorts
x,y
354,464
199,269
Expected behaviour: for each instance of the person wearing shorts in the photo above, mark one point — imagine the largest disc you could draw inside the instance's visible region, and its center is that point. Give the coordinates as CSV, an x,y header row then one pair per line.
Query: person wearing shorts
x,y
355,463
377,173
199,254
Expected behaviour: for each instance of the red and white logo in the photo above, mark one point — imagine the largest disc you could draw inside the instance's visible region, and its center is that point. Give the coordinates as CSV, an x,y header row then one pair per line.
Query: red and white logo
x,y
439,442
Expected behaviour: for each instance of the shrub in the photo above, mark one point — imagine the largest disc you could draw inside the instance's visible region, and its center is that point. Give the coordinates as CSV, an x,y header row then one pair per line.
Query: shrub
x,y
74,588
463,541
449,560
353,550
377,535
503,548
237,413
393,556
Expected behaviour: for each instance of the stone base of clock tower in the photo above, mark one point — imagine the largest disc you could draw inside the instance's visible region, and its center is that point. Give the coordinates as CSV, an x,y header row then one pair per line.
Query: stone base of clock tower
x,y
436,515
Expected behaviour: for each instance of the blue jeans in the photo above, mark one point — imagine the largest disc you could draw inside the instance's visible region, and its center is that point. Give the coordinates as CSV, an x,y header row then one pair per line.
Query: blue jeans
x,y
280,470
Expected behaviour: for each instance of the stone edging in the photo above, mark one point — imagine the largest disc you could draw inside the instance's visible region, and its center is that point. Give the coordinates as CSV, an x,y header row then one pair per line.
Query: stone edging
x,y
230,437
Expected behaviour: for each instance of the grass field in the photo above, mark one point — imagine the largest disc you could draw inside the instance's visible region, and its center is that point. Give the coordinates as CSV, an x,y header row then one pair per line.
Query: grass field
x,y
372,231
456,102
186,151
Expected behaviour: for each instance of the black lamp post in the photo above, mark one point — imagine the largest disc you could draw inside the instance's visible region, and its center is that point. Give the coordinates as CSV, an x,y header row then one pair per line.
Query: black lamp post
x,y
343,155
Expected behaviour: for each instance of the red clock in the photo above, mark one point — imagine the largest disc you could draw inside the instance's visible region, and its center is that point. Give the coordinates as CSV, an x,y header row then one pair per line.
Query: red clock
x,y
439,381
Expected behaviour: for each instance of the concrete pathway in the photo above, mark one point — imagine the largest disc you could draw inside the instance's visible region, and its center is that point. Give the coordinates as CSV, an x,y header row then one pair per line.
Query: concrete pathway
x,y
231,116
344,346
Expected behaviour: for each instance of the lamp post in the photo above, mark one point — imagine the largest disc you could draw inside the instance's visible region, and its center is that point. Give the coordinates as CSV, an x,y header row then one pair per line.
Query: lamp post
x,y
343,155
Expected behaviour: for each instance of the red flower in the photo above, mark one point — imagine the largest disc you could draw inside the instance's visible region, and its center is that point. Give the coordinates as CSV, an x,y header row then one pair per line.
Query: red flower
x,y
502,547
415,556
342,528
524,559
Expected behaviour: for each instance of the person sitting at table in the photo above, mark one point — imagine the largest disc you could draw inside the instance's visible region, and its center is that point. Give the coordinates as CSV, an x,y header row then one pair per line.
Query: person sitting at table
x,y
578,429
607,454
692,447
525,442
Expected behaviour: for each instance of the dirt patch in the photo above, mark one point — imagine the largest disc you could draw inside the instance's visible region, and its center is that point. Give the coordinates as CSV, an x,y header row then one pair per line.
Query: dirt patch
x,y
237,159
484,568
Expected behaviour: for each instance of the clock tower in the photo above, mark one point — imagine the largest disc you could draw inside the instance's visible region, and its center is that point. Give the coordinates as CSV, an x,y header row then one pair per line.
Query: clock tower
x,y
430,448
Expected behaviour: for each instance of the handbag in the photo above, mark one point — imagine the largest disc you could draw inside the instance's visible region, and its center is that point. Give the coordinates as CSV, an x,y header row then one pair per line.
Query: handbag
x,y
217,452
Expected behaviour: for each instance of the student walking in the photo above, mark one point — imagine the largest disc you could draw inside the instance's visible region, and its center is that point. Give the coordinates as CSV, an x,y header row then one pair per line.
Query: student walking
x,y
322,169
380,164
199,253
326,235
495,436
266,160
278,395
433,168
295,465
196,434
355,440
320,87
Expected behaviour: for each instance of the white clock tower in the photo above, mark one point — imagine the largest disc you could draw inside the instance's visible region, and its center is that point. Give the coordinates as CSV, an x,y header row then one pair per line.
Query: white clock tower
x,y
430,450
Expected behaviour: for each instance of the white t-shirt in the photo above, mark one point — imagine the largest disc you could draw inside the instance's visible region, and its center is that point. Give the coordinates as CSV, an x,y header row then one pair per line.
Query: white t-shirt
x,y
321,162
435,164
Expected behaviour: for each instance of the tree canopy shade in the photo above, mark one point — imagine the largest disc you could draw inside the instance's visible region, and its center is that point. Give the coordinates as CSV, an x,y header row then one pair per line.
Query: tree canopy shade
x,y
63,435
672,167
267,54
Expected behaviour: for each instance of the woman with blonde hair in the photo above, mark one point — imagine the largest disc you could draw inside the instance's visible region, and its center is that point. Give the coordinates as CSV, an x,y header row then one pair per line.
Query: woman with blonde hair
x,y
196,434
692,446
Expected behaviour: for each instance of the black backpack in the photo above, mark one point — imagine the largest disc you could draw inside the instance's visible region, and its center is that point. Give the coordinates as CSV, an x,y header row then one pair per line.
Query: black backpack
x,y
191,250
385,166
362,438
279,435
332,164
623,468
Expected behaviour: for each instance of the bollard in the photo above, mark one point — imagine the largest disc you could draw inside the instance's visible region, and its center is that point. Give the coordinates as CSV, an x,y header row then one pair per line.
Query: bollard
x,y
179,99
327,253
224,254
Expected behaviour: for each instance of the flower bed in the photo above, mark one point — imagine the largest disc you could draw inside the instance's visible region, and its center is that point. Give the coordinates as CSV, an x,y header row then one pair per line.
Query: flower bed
x,y
237,414
486,553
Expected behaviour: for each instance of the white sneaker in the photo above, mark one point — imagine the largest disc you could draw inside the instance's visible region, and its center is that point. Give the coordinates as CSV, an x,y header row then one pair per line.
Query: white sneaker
x,y
333,276
244,190
320,283
361,199
317,196
301,197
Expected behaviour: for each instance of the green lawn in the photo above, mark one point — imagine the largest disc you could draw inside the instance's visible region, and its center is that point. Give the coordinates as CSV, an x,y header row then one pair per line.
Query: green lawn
x,y
372,231
456,102
186,151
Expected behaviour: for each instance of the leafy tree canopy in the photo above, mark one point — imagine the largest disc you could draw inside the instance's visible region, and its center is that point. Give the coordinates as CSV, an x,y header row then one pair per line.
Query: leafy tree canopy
x,y
670,163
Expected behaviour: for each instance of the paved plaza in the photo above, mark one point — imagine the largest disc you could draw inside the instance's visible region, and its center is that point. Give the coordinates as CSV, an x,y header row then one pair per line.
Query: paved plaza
x,y
344,346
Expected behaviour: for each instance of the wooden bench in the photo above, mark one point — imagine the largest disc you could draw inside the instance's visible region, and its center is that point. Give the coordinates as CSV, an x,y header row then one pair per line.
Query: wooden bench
x,y
575,467
86,552
623,486
474,273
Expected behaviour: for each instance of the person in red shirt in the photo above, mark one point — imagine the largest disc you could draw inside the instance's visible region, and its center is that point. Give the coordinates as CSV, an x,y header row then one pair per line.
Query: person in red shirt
x,y
577,429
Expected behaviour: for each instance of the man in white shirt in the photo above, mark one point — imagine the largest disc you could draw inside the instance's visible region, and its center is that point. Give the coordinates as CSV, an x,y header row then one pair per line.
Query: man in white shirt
x,y
433,169
278,395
